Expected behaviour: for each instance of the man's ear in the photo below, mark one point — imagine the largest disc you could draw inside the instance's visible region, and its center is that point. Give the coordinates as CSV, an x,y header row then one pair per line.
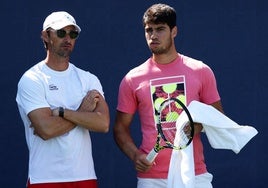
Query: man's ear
x,y
174,31
44,36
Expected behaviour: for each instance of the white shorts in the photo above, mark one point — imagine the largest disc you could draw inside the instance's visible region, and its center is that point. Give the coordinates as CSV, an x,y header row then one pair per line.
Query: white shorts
x,y
201,181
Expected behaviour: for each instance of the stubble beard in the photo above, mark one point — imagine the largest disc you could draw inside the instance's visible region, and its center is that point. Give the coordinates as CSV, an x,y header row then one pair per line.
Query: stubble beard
x,y
62,53
162,50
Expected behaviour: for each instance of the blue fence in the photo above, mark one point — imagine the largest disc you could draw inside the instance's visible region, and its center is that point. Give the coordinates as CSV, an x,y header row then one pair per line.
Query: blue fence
x,y
230,36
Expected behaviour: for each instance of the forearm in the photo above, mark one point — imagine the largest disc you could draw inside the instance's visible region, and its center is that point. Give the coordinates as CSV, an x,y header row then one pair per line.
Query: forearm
x,y
94,121
122,136
92,114
58,128
47,126
125,143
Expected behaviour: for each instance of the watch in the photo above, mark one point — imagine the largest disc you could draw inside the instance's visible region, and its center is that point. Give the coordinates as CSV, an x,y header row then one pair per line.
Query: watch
x,y
61,111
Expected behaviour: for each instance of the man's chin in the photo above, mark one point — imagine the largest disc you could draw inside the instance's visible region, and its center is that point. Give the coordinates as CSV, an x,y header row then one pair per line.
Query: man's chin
x,y
157,52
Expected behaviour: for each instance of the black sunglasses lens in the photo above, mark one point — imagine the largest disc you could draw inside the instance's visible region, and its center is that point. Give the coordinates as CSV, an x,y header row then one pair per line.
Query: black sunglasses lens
x,y
61,33
73,34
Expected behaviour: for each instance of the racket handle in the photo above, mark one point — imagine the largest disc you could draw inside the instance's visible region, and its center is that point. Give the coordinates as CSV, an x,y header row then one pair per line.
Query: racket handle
x,y
152,155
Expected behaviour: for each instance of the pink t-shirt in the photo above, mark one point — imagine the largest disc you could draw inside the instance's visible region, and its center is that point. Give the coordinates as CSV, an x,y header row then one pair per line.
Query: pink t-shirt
x,y
140,89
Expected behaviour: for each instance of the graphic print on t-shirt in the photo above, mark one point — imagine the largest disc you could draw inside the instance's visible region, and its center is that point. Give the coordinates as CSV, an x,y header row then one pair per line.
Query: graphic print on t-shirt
x,y
164,88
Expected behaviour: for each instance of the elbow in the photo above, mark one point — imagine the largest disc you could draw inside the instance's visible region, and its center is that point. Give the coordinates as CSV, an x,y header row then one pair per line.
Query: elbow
x,y
104,122
106,126
45,138
106,130
44,135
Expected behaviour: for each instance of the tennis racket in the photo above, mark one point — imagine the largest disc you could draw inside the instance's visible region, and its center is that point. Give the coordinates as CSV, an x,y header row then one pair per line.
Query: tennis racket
x,y
167,115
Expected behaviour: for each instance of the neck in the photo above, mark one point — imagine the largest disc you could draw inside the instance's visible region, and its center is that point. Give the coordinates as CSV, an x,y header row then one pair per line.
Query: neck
x,y
165,58
57,63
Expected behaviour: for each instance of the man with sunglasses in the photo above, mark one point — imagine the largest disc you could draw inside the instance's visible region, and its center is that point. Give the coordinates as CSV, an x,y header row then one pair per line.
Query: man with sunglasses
x,y
59,104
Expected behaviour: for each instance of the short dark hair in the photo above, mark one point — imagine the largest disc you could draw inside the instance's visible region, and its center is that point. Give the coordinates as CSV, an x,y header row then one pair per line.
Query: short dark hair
x,y
160,14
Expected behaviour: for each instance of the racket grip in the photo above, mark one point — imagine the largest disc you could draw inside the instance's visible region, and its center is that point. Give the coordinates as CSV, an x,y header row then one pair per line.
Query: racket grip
x,y
152,155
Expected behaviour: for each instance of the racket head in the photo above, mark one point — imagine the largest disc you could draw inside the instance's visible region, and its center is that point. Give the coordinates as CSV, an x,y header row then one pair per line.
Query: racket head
x,y
169,112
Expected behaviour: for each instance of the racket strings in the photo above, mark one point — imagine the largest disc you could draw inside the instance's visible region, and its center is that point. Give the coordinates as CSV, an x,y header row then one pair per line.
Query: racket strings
x,y
183,135
168,136
169,114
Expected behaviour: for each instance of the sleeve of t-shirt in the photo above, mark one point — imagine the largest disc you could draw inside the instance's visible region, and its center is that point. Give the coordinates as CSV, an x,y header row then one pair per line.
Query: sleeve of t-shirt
x,y
209,93
31,93
126,97
89,81
95,84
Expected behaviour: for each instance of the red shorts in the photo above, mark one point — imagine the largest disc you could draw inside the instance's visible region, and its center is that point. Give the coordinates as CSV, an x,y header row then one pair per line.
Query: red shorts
x,y
76,184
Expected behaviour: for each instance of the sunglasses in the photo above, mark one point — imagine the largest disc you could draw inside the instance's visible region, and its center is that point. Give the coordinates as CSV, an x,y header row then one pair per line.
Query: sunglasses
x,y
61,33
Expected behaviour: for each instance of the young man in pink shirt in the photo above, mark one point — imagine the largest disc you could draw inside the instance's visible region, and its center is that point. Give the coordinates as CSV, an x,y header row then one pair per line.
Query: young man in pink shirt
x,y
193,80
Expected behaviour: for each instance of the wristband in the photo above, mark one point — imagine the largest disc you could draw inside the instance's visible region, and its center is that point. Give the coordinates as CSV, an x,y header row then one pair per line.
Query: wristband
x,y
61,111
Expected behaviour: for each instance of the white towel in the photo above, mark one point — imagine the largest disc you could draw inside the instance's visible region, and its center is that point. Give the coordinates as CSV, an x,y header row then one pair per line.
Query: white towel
x,y
222,133
181,169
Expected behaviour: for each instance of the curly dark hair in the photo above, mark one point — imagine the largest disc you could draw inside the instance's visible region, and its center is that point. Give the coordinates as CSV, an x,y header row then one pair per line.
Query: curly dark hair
x,y
160,14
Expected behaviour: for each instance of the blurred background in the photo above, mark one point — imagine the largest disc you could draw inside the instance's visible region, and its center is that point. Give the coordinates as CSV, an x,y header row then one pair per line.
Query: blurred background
x,y
230,36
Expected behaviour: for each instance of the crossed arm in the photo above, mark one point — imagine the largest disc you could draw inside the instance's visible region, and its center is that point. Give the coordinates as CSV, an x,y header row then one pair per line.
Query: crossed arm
x,y
93,114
